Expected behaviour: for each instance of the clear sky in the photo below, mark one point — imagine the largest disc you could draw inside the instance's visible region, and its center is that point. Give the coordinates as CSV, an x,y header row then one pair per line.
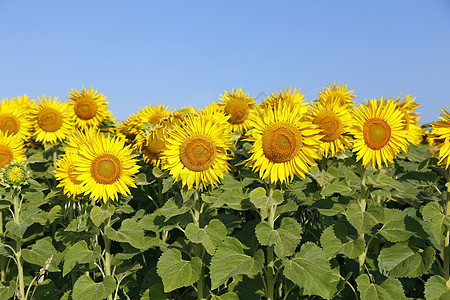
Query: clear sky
x,y
188,52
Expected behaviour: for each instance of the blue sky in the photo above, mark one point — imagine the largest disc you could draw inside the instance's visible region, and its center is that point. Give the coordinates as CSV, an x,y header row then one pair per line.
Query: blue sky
x,y
188,52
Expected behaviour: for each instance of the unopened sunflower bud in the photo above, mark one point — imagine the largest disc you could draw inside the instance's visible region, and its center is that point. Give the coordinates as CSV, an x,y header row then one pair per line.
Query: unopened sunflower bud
x,y
18,294
47,262
42,271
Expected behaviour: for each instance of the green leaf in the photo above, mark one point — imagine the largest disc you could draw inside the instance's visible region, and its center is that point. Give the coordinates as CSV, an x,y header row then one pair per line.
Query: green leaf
x,y
332,206
310,270
226,296
288,207
210,237
435,219
341,186
394,229
176,272
361,221
390,289
400,260
98,215
229,260
132,232
334,240
436,288
6,292
384,181
322,178
171,208
79,254
40,252
260,200
285,238
4,204
86,289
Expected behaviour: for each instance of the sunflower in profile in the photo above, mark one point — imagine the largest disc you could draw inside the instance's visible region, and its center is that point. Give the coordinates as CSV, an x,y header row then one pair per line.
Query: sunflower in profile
x,y
238,106
25,102
53,123
11,149
106,167
88,108
64,173
410,119
333,119
196,152
441,137
285,143
289,97
14,119
340,92
378,132
151,145
80,138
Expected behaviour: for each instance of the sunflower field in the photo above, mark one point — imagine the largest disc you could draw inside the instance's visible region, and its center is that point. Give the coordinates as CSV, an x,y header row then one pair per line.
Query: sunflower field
x,y
281,199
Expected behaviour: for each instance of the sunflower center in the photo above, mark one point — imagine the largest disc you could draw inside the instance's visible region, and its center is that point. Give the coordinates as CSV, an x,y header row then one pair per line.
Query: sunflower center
x,y
71,176
330,124
198,152
281,141
9,124
49,119
154,147
376,133
5,156
154,118
85,108
237,109
106,169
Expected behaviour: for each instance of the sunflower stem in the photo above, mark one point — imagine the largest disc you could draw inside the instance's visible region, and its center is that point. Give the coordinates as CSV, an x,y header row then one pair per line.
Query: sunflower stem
x,y
2,259
446,260
18,252
269,270
362,207
107,246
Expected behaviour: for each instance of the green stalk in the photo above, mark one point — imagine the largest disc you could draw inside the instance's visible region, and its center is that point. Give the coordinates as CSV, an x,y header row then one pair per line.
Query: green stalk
x,y
446,260
362,206
2,259
196,216
200,283
18,253
107,246
269,270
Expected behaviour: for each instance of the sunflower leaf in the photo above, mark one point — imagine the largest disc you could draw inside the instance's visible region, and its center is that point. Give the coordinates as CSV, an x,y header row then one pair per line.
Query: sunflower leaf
x,y
435,220
394,228
229,260
40,252
262,202
390,289
362,221
285,238
310,270
210,237
335,240
86,289
79,254
436,288
400,260
176,272
98,215
340,186
6,292
132,232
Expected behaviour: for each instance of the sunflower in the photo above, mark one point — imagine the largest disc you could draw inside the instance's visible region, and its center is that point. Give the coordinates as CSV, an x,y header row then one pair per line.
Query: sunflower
x,y
285,143
105,168
378,132
80,138
441,135
11,149
344,96
64,173
238,106
151,145
196,152
88,108
291,98
333,119
410,119
25,102
52,121
14,119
